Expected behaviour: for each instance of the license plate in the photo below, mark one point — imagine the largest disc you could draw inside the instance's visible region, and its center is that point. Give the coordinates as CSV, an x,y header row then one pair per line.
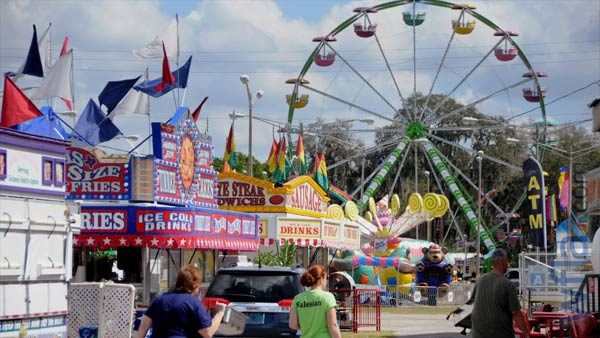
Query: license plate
x,y
255,317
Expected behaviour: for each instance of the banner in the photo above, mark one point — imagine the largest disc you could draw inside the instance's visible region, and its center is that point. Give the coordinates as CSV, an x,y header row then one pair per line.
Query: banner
x,y
166,227
534,186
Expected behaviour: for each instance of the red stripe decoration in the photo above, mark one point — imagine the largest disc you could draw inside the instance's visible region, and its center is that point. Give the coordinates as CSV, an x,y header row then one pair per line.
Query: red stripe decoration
x,y
33,315
162,242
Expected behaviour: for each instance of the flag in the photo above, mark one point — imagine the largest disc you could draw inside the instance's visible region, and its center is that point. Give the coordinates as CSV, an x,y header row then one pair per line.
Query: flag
x,y
564,187
230,157
181,78
114,92
134,102
180,115
168,37
167,76
63,51
47,125
551,214
321,172
534,186
272,159
196,112
93,126
42,48
300,154
58,80
33,63
283,164
16,106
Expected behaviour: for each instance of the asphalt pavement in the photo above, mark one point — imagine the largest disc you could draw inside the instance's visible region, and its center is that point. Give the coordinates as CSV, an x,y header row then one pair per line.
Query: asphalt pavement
x,y
420,325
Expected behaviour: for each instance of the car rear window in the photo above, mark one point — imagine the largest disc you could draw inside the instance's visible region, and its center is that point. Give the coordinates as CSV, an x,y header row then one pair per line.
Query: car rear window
x,y
255,286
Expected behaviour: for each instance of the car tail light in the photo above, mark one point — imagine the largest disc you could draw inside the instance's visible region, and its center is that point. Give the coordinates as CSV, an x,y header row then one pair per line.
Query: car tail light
x,y
211,302
286,304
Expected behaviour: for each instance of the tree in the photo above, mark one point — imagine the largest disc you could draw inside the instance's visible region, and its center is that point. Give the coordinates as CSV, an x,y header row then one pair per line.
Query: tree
x,y
260,168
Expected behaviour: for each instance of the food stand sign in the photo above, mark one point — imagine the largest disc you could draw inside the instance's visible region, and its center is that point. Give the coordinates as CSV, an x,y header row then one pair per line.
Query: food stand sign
x,y
166,227
244,193
307,198
351,235
183,174
298,228
95,175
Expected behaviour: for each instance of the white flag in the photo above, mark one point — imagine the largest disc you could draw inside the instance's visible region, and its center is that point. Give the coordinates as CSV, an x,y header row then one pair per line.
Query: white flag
x,y
134,102
58,80
153,49
43,47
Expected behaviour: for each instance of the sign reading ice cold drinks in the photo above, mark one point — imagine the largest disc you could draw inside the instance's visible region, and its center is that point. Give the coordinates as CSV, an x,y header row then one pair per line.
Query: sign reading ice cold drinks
x,y
97,176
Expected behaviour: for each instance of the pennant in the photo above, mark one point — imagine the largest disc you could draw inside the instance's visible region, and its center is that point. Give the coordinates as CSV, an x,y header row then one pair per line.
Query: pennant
x,y
300,154
114,92
180,115
58,80
180,76
47,125
134,102
42,52
16,106
551,214
167,76
282,167
168,37
321,172
33,63
534,186
230,157
564,187
63,51
196,112
93,126
272,159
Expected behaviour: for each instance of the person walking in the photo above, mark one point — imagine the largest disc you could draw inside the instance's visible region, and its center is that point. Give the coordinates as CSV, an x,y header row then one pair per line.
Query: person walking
x,y
313,311
179,313
496,304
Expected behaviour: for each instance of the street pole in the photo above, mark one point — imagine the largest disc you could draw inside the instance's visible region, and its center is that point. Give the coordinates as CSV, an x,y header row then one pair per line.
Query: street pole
x,y
250,159
479,160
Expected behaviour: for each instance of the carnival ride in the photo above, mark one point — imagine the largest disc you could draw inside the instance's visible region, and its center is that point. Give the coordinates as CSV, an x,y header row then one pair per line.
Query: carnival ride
x,y
420,126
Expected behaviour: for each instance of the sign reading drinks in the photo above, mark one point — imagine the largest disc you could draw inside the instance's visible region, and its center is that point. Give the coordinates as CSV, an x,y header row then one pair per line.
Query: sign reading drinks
x,y
183,165
96,175
298,228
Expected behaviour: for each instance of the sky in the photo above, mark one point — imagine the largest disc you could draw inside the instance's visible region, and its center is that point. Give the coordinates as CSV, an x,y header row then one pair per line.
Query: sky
x,y
270,41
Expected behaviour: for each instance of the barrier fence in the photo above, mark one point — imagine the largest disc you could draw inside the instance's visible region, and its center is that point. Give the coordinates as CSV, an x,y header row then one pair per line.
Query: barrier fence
x,y
358,308
453,295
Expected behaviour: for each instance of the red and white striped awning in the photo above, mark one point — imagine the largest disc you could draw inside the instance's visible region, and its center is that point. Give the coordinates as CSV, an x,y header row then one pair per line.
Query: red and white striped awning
x,y
164,242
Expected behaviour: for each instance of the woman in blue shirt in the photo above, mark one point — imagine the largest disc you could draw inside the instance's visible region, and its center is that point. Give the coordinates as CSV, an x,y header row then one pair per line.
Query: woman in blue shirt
x,y
179,313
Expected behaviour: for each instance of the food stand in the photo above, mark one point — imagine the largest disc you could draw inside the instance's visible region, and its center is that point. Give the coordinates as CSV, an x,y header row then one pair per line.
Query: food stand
x,y
156,213
297,212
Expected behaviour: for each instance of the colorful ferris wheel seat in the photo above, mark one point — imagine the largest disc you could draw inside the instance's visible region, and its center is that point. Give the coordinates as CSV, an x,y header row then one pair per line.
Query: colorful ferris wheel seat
x,y
506,54
300,102
463,27
532,95
295,80
324,60
463,6
365,31
418,19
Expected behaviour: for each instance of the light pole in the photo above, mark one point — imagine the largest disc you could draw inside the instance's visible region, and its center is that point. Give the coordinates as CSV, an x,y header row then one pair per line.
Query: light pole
x,y
479,159
259,93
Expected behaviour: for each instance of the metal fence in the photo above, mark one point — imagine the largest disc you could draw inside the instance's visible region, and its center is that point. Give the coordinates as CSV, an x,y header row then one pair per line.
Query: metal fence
x,y
367,309
454,295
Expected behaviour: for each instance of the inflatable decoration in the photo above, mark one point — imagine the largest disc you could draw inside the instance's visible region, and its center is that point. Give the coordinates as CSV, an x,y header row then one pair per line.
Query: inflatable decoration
x,y
434,269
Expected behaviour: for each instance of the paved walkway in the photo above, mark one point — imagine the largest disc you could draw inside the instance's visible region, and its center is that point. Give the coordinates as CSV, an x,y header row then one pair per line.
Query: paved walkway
x,y
420,326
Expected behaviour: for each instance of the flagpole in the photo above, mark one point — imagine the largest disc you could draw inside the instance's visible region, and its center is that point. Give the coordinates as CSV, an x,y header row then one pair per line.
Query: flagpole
x,y
73,130
184,89
177,57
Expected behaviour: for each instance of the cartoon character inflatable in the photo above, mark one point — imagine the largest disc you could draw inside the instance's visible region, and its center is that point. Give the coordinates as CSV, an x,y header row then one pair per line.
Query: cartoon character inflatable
x,y
434,269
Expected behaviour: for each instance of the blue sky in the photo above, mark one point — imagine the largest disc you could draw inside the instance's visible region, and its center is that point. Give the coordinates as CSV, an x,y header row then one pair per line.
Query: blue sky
x,y
271,40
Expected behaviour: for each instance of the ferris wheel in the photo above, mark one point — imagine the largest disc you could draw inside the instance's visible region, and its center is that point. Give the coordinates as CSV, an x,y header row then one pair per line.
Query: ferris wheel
x,y
402,63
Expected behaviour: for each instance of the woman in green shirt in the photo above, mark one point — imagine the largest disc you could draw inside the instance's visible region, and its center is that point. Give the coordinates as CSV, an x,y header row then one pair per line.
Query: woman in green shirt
x,y
313,311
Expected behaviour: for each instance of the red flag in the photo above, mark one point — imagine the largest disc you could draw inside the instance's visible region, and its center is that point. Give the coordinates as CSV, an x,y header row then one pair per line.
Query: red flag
x,y
196,112
167,76
65,46
16,106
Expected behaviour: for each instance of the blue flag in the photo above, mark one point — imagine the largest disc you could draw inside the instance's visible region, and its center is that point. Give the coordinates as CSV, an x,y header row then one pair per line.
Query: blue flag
x,y
48,125
94,126
181,114
114,91
181,78
33,64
